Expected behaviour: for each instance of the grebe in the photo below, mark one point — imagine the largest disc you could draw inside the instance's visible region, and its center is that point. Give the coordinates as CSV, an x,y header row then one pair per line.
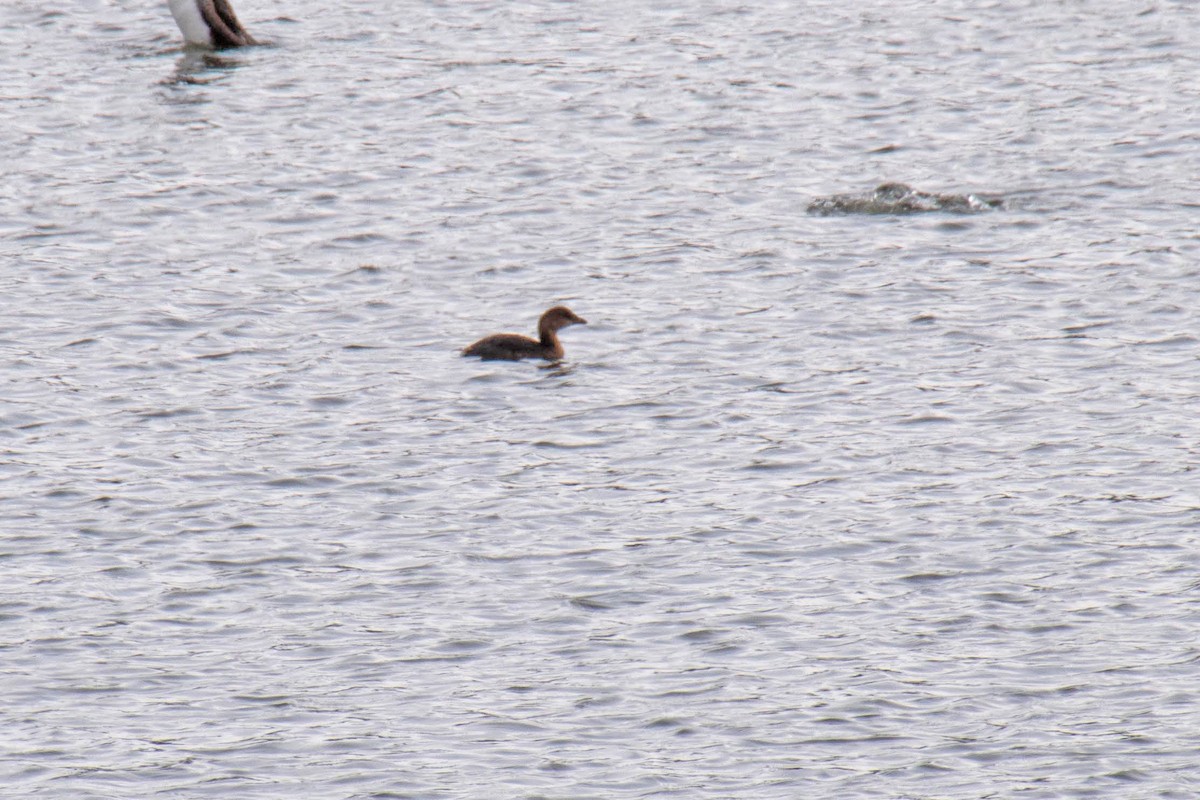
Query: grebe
x,y
514,347
209,23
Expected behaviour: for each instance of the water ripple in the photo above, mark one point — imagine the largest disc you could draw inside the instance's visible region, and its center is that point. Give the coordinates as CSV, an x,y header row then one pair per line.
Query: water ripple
x,y
853,506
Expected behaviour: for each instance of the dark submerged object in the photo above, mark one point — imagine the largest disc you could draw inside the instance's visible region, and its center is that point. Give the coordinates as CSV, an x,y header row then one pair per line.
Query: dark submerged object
x,y
514,347
210,23
899,198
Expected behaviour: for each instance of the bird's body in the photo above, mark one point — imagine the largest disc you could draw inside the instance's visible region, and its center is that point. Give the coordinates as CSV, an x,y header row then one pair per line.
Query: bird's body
x,y
209,23
514,347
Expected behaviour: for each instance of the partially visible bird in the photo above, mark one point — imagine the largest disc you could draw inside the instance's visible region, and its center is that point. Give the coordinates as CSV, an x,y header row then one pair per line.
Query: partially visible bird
x,y
209,23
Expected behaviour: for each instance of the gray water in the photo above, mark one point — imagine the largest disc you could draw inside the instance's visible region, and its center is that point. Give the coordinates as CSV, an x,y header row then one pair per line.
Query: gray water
x,y
816,507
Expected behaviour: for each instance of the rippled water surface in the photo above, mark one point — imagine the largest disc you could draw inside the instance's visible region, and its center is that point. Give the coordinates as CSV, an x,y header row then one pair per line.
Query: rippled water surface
x,y
816,506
